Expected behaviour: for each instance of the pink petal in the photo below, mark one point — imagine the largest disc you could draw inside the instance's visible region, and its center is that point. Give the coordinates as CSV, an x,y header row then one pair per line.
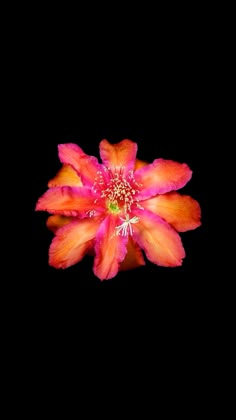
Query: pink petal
x,y
70,154
72,242
160,241
120,155
161,176
110,249
70,201
86,166
181,211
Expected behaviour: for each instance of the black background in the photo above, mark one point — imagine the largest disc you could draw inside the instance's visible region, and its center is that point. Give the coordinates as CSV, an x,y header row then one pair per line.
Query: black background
x,y
166,120
156,90
151,79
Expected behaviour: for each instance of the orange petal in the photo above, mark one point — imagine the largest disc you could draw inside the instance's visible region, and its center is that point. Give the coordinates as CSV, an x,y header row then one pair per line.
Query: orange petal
x,y
65,176
86,166
181,211
69,201
120,155
161,176
161,243
110,249
56,221
139,164
72,242
134,257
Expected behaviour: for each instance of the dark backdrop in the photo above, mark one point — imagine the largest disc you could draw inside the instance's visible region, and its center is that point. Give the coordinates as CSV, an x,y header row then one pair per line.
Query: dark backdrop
x,y
166,120
157,92
155,85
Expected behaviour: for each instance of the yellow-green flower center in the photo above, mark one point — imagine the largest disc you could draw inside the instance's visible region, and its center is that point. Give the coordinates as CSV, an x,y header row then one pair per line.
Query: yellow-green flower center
x,y
114,208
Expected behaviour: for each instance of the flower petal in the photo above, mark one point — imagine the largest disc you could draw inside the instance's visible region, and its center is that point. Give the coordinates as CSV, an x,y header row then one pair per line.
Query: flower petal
x,y
72,242
161,243
181,211
139,164
86,166
134,257
65,176
56,221
120,155
161,176
70,153
70,201
110,249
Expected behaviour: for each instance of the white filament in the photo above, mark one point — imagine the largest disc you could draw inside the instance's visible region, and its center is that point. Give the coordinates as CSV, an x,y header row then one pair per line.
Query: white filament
x,y
125,228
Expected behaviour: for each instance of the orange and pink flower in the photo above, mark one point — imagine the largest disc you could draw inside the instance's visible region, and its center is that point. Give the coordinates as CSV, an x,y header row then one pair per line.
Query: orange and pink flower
x,y
117,208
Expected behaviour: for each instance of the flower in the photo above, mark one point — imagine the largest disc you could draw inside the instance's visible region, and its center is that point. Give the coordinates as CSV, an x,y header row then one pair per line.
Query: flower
x,y
117,208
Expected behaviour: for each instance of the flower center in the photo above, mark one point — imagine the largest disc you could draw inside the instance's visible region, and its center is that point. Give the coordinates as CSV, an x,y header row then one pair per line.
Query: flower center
x,y
114,208
119,191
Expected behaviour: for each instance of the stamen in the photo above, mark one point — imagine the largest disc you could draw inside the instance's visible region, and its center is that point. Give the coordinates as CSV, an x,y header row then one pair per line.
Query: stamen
x,y
119,190
90,213
126,228
139,206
